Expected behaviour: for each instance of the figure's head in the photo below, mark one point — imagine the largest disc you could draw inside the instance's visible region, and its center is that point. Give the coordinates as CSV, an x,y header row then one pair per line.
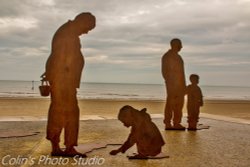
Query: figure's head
x,y
194,78
84,22
176,44
125,115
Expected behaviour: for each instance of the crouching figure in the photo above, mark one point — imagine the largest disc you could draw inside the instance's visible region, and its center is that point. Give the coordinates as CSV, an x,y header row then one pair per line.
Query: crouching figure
x,y
144,133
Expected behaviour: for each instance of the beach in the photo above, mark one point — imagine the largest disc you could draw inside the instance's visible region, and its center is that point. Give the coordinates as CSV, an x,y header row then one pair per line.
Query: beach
x,y
26,116
38,107
225,143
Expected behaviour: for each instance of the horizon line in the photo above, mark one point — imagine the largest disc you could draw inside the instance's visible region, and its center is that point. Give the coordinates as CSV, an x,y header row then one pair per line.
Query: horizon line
x,y
89,82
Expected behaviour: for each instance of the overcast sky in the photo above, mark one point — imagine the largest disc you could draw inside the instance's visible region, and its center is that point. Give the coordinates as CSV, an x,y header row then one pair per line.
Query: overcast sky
x,y
130,38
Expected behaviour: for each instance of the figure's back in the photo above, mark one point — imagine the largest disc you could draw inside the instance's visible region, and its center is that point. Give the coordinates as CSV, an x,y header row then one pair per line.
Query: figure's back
x,y
194,95
148,135
66,62
173,72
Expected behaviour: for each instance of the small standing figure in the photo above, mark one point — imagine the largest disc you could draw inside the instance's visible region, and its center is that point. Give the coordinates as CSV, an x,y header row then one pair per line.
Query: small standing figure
x,y
195,101
144,133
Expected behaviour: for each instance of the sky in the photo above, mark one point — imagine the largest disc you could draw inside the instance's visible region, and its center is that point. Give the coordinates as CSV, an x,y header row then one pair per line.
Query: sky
x,y
130,38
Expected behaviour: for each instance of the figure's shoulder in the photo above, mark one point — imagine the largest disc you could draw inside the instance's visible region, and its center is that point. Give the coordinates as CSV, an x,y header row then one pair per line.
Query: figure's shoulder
x,y
63,29
198,87
179,58
166,55
188,88
143,116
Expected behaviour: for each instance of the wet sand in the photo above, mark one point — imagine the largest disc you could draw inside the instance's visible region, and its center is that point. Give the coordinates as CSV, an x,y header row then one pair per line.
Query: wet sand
x,y
38,107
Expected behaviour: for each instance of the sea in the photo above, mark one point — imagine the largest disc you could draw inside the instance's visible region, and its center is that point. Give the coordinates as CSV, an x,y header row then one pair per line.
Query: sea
x,y
121,91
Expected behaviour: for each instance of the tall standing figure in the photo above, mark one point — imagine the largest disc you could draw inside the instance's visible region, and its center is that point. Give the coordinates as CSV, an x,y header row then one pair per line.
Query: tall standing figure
x,y
63,71
173,74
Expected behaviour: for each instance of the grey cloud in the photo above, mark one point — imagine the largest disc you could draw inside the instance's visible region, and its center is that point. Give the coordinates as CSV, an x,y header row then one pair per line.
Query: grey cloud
x,y
132,32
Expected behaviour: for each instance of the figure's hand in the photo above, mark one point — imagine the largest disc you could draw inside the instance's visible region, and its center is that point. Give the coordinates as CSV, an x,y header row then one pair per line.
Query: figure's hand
x,y
43,76
114,152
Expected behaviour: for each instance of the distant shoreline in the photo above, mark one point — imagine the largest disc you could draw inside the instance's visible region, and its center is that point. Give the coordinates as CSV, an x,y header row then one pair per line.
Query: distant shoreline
x,y
117,99
162,84
120,91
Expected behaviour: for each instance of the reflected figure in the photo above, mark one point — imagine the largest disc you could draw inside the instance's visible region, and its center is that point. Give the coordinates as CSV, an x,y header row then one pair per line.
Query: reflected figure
x,y
144,133
173,74
194,102
63,71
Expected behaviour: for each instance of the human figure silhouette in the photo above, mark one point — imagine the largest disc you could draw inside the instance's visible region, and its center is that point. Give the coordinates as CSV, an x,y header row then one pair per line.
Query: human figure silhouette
x,y
63,71
144,133
173,74
194,102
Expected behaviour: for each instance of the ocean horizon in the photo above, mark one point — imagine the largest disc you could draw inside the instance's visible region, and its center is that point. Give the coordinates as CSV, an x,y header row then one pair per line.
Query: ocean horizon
x,y
129,91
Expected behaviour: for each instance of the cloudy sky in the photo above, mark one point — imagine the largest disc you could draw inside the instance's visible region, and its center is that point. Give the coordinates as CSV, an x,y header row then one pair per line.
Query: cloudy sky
x,y
130,38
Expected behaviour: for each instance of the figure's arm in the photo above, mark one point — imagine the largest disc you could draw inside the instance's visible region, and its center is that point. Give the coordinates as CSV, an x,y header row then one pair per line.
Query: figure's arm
x,y
201,97
44,76
187,89
164,69
129,143
49,68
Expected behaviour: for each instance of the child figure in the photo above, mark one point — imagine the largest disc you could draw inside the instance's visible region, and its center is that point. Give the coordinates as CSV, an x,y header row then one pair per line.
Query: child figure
x,y
144,133
194,102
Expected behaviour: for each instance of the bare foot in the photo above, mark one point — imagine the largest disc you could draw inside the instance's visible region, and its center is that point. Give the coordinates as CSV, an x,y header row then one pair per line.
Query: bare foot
x,y
179,127
71,152
57,152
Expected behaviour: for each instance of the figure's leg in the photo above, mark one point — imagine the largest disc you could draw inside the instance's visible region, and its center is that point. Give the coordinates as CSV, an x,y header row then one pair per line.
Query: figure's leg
x,y
71,136
193,118
142,153
71,133
72,126
56,117
196,116
168,113
55,124
168,109
188,113
152,149
192,123
179,101
190,110
145,151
